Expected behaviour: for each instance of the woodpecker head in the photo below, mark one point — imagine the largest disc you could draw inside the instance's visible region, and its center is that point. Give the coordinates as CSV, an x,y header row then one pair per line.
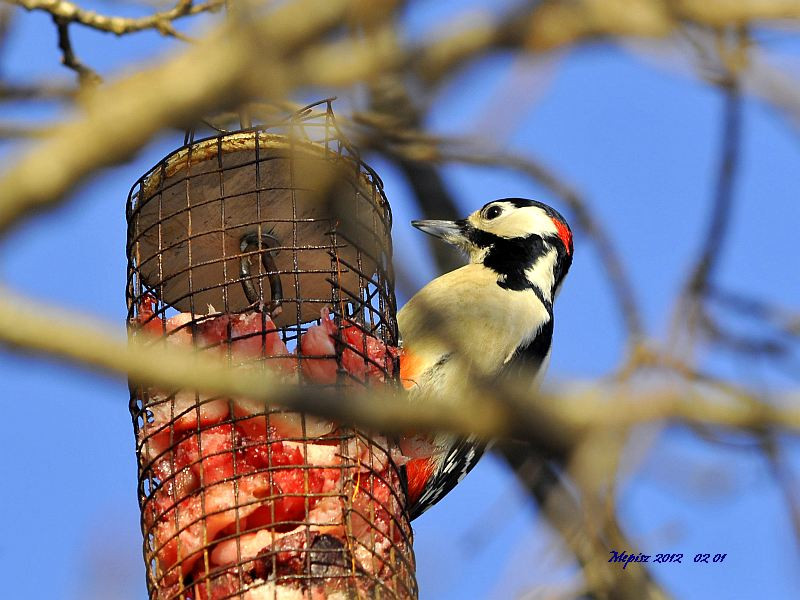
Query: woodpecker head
x,y
527,243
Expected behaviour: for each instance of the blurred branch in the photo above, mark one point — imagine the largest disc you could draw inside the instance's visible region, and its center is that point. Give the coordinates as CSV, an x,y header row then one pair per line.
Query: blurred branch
x,y
392,105
6,16
33,327
690,312
782,473
37,91
416,147
548,26
760,77
773,85
588,542
724,13
555,421
540,27
786,321
16,130
719,222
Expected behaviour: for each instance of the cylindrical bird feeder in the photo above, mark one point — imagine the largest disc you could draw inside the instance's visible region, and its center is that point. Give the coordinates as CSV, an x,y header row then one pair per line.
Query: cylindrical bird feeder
x,y
267,248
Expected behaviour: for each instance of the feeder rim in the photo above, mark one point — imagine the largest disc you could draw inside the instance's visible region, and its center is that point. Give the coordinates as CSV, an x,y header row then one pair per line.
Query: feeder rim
x,y
267,140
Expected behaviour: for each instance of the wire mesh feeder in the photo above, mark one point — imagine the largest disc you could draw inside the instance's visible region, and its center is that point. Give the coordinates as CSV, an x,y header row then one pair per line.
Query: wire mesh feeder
x,y
269,248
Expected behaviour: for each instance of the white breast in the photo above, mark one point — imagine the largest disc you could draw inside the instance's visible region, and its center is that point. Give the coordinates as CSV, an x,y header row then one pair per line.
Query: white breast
x,y
466,314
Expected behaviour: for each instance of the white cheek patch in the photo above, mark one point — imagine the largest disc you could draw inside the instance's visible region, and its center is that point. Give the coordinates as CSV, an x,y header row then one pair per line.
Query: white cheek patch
x,y
517,222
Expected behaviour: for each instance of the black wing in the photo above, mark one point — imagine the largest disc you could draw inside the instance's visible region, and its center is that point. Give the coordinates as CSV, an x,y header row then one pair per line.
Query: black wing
x,y
466,452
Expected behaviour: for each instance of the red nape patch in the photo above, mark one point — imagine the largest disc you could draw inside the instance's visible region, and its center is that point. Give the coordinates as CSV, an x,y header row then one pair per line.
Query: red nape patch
x,y
565,234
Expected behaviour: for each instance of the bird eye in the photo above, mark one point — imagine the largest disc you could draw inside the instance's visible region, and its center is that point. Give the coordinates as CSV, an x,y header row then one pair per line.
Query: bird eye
x,y
492,212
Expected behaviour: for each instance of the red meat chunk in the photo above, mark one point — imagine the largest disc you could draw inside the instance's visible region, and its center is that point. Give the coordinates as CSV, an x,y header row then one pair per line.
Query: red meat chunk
x,y
146,317
220,473
364,356
318,342
248,335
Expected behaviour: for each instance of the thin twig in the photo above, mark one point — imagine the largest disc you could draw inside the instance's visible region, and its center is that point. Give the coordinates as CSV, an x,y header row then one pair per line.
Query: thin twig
x,y
690,316
589,543
719,222
20,131
585,220
787,322
86,75
160,21
786,482
470,152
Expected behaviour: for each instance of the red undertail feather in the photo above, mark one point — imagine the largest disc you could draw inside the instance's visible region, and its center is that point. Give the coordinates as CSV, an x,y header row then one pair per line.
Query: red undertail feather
x,y
418,472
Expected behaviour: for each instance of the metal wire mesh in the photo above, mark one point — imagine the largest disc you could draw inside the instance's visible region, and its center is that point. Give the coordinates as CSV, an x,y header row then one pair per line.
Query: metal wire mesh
x,y
269,248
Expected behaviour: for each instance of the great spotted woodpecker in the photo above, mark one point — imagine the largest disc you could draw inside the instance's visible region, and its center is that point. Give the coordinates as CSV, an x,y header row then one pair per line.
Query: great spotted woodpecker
x,y
491,318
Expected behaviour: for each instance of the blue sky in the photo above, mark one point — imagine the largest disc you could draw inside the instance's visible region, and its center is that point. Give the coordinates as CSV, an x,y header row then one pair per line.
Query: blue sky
x,y
639,142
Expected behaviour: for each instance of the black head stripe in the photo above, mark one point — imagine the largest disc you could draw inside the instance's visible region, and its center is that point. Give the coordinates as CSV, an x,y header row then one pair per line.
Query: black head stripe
x,y
482,239
520,202
511,257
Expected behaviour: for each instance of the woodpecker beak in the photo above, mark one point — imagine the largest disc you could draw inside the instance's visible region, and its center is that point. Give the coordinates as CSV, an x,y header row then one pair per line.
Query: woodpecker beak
x,y
451,232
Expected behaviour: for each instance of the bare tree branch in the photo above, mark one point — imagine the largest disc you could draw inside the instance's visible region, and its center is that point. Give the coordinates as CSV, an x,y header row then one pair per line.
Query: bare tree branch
x,y
267,52
585,220
718,225
690,313
86,75
67,12
393,106
548,26
16,130
590,545
39,91
219,72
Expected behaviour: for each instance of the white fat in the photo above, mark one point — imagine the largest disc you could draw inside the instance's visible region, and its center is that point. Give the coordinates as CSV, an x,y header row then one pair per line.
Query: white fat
x,y
247,546
270,591
319,455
